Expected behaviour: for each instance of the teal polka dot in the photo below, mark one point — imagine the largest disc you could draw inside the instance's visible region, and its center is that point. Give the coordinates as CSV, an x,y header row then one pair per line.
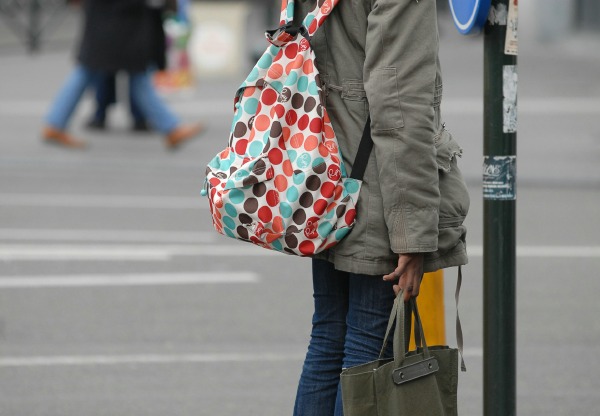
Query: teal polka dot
x,y
303,161
267,137
230,184
325,228
215,162
286,209
236,196
225,164
251,105
351,186
277,245
253,75
277,86
292,154
318,161
302,84
330,214
291,79
255,148
292,194
229,222
313,89
241,174
231,211
299,178
264,62
308,20
229,232
290,10
341,233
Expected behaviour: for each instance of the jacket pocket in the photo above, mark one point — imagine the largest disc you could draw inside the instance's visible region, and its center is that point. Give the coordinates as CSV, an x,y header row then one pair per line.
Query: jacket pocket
x,y
386,113
454,201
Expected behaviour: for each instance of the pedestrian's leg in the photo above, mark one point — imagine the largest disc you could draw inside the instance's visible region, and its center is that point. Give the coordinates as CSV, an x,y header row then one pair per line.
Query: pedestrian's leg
x,y
106,95
370,304
63,107
139,121
318,386
157,113
68,97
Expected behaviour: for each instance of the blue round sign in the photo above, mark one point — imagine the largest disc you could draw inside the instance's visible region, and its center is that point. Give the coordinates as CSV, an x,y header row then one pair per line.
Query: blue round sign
x,y
469,15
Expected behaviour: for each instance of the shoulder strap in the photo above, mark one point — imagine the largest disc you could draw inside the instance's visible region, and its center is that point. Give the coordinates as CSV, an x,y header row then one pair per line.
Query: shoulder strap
x,y
287,12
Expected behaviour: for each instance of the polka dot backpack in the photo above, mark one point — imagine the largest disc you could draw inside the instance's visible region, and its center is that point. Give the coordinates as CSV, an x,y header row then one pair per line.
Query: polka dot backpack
x,y
281,182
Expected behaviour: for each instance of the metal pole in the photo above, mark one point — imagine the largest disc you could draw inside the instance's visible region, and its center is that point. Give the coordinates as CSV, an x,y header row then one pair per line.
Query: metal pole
x,y
33,31
499,190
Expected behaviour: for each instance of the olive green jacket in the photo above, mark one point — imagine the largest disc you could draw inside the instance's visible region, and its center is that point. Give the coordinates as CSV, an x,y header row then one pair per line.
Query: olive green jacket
x,y
380,58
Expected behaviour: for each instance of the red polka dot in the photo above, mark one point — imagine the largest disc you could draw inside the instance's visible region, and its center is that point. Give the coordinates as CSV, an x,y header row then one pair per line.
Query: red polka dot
x,y
334,173
291,117
328,130
287,167
275,156
272,237
224,154
350,215
303,122
308,66
278,111
278,226
272,198
298,62
291,50
285,136
320,206
338,191
311,143
278,56
265,214
327,189
240,146
323,151
275,71
316,125
307,248
249,91
281,183
296,140
262,122
269,96
313,26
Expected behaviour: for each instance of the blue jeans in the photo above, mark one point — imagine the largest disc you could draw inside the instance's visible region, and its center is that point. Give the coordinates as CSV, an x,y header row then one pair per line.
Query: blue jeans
x,y
348,327
151,106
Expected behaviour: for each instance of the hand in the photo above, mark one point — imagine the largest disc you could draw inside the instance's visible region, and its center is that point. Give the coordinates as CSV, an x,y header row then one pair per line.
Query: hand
x,y
408,273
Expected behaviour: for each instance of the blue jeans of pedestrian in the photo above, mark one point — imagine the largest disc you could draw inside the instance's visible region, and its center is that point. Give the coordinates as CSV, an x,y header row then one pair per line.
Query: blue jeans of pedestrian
x,y
348,327
143,93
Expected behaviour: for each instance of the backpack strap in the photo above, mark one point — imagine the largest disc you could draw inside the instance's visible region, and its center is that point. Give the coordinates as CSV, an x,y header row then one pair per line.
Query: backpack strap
x,y
313,20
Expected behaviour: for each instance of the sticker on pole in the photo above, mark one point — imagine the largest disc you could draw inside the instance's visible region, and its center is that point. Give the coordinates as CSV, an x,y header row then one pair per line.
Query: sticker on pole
x,y
499,177
469,15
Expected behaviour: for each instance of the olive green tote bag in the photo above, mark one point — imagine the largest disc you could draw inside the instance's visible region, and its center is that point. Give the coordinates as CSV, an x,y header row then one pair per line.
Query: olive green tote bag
x,y
417,383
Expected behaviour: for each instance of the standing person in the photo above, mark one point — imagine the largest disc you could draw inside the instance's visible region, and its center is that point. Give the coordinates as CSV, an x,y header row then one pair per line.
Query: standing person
x,y
379,59
118,35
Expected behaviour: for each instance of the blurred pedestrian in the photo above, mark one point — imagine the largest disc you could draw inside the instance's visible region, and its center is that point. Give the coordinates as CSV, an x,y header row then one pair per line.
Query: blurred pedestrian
x,y
379,59
119,35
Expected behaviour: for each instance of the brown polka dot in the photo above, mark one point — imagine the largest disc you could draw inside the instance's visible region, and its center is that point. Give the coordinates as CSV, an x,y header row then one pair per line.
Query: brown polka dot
x,y
292,229
297,101
339,211
285,95
259,189
276,129
299,216
249,181
243,232
320,168
251,205
240,129
313,183
291,241
245,218
251,122
310,104
320,110
259,167
306,199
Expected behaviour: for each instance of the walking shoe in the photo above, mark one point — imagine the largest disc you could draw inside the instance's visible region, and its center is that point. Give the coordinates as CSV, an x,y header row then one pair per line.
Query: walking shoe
x,y
141,126
62,138
96,124
182,134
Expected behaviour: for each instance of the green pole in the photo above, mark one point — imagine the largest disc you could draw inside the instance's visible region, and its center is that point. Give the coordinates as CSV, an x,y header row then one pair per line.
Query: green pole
x,y
499,192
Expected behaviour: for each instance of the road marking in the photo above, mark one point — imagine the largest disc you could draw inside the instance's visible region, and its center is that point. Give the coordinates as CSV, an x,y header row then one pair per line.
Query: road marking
x,y
166,252
168,279
110,252
103,360
96,360
18,234
557,106
102,201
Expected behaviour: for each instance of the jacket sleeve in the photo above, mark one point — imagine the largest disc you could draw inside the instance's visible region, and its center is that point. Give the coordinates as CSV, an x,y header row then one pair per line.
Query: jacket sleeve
x,y
400,70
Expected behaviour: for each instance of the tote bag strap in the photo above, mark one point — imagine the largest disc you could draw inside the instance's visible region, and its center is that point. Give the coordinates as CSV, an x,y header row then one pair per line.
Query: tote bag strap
x,y
287,12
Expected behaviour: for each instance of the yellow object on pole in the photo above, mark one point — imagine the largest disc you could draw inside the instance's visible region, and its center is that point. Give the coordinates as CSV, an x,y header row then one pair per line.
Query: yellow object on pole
x,y
431,309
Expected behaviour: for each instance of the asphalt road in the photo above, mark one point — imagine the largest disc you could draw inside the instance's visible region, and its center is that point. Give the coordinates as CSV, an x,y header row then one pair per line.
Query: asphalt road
x,y
118,298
